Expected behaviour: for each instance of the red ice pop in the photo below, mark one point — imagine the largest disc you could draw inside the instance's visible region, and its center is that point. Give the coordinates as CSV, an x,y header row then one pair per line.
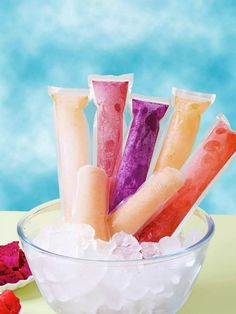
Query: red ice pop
x,y
110,95
205,164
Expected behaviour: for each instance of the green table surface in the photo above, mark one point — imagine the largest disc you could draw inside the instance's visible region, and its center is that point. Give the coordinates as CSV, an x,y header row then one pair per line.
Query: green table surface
x,y
214,292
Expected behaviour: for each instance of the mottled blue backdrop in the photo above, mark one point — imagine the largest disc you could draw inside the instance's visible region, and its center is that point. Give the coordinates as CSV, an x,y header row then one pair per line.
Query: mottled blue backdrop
x,y
188,44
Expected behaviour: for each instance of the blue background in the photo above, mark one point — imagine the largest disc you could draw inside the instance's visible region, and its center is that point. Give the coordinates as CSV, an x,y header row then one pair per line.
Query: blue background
x,y
188,44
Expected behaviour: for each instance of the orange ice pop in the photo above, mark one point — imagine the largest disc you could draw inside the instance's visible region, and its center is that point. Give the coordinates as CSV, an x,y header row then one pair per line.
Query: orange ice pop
x,y
72,140
139,207
206,163
183,127
91,201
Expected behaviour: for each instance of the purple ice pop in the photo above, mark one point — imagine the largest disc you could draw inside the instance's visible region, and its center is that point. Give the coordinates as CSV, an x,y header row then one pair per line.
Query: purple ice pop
x,y
139,147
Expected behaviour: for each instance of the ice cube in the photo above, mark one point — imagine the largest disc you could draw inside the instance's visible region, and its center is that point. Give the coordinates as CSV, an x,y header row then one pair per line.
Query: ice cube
x,y
150,249
90,302
63,244
137,287
169,245
114,299
156,276
127,246
117,276
192,237
86,234
46,291
42,239
124,239
105,249
175,279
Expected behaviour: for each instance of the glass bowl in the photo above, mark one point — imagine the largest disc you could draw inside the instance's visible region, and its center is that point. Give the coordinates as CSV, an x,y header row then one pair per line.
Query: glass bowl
x,y
157,285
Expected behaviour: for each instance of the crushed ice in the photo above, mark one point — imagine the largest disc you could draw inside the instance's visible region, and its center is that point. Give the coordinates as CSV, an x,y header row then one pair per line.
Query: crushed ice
x,y
92,287
78,240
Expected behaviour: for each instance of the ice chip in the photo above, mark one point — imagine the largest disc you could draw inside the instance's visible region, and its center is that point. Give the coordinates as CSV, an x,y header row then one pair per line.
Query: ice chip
x,y
192,237
127,246
150,249
118,277
175,279
169,245
124,239
86,234
137,288
105,249
156,277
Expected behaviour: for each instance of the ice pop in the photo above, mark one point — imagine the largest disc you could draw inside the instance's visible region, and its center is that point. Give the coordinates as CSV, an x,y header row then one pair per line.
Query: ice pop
x,y
147,113
110,95
138,208
183,127
91,201
72,140
205,164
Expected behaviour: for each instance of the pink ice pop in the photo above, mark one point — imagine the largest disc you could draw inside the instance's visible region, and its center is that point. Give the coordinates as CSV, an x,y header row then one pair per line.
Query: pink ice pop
x,y
91,201
110,94
205,164
138,208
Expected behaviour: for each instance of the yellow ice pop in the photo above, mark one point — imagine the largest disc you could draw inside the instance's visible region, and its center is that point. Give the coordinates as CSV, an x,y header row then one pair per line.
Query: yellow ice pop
x,y
183,127
91,201
141,206
72,140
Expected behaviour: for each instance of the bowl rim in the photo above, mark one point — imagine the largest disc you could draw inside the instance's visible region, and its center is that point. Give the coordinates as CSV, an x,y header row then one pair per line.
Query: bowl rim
x,y
181,252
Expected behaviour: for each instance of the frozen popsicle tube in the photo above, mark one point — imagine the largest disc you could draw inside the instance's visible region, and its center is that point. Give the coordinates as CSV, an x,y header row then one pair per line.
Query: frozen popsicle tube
x,y
72,140
138,208
109,94
91,201
144,129
183,127
200,173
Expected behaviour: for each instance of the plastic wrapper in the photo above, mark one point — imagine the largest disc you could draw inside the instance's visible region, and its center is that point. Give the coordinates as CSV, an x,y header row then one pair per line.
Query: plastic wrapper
x,y
183,127
142,137
138,208
72,140
91,201
200,173
110,96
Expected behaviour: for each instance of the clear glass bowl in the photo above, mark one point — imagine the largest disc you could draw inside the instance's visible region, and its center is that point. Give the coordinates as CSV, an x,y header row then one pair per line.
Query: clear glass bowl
x,y
77,286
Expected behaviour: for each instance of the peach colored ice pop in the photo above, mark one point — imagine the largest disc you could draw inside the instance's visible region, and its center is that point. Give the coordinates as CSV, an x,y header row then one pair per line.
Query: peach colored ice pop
x,y
138,208
183,127
91,201
206,163
72,140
